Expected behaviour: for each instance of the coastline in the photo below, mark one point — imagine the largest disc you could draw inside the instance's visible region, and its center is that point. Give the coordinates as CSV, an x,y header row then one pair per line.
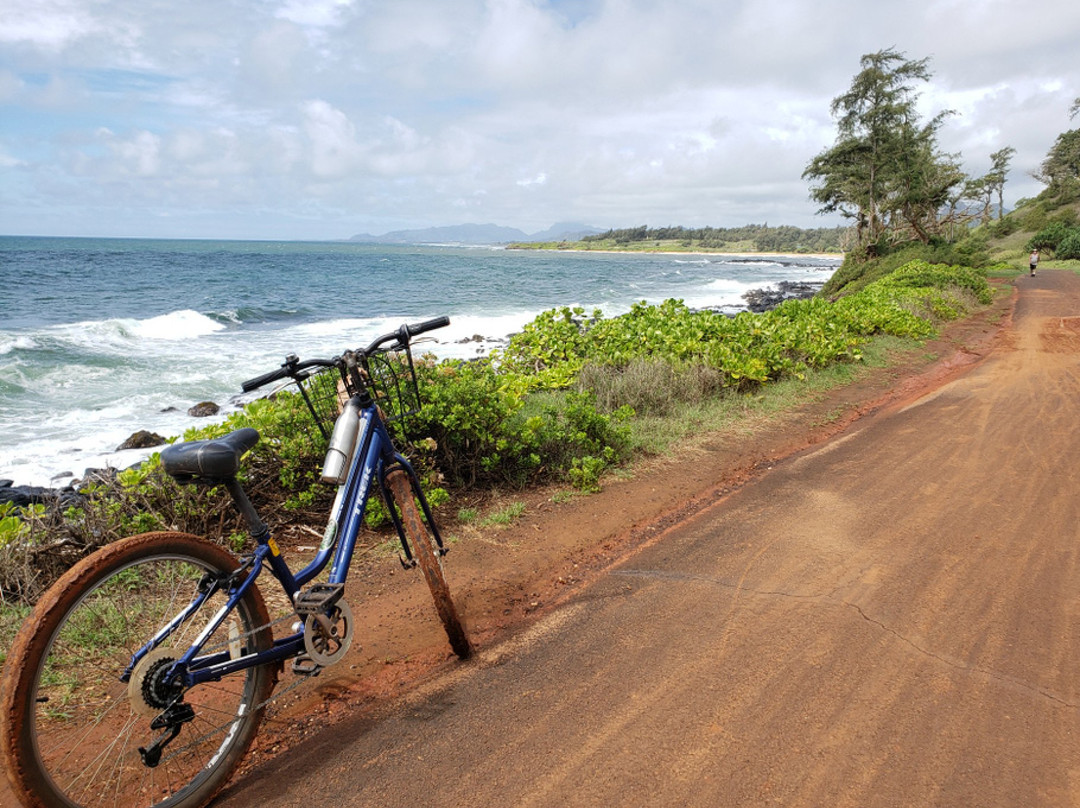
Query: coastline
x,y
658,251
63,488
142,360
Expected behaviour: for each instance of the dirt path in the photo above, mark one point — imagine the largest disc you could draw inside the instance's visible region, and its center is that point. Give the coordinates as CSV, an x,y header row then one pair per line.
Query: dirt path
x,y
885,618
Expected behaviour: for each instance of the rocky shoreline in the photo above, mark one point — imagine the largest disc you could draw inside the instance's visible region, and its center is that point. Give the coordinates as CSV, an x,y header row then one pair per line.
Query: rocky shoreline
x,y
757,301
762,300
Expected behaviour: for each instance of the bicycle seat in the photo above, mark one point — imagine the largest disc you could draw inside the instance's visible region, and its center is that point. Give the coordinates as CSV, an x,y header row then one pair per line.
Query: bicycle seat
x,y
217,459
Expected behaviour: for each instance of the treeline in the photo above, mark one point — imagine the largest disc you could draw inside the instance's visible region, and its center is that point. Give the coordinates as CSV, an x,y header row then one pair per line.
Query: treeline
x,y
760,237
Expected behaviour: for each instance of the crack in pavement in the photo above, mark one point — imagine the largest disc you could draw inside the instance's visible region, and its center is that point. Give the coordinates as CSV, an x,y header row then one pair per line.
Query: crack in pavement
x,y
958,665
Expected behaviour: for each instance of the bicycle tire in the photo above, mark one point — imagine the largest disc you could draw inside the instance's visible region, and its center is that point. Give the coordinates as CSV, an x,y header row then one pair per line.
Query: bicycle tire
x,y
430,562
70,729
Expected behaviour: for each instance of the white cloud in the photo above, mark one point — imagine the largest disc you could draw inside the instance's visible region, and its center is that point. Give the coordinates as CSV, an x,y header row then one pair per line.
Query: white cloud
x,y
539,179
49,24
518,111
7,161
316,13
332,136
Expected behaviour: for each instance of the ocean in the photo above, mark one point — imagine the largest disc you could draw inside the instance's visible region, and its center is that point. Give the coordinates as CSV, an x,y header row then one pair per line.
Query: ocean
x,y
103,337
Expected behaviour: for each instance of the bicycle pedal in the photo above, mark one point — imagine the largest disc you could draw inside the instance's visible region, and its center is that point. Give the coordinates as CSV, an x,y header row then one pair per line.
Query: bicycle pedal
x,y
317,598
306,666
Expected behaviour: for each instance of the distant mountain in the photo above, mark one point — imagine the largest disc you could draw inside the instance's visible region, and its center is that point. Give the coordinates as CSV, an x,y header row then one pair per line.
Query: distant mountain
x,y
479,234
566,231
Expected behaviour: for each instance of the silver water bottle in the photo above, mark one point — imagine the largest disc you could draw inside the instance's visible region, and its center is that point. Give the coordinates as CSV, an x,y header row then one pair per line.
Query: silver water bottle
x,y
342,445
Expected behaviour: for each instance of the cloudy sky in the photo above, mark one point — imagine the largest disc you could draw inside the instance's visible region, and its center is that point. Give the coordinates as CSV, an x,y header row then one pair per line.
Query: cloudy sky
x,y
318,119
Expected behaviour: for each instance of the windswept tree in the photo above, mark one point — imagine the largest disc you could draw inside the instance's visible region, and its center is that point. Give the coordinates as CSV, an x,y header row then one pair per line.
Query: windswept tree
x,y
982,190
1061,168
1060,171
885,171
995,178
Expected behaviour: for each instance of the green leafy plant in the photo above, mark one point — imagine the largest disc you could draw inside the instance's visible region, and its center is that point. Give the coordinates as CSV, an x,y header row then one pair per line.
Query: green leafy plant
x,y
11,526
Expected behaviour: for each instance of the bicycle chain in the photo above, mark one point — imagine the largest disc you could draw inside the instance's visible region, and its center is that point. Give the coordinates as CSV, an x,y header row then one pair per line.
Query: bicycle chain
x,y
276,694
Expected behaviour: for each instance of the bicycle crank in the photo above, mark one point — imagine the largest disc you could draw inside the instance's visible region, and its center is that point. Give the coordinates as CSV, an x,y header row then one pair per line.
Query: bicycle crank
x,y
328,636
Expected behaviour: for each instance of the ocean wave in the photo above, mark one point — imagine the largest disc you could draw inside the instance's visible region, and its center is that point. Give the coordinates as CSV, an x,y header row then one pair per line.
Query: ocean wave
x,y
176,325
10,343
720,292
757,263
122,335
251,315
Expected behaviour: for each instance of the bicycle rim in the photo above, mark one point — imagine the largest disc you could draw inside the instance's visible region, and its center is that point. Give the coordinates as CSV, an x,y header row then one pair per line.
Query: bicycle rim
x,y
75,729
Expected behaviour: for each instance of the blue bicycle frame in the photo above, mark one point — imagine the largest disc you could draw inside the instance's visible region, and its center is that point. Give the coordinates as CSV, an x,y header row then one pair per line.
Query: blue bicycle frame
x,y
373,456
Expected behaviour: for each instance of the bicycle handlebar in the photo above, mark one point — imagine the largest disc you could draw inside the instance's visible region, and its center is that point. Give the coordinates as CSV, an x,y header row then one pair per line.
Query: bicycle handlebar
x,y
404,334
290,369
292,366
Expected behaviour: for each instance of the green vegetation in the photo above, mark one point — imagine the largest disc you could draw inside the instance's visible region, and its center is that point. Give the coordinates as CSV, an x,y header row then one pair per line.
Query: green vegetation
x,y
750,238
882,153
885,172
505,515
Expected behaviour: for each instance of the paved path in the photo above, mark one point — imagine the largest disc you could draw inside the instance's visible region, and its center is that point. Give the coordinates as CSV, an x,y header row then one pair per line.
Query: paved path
x,y
892,619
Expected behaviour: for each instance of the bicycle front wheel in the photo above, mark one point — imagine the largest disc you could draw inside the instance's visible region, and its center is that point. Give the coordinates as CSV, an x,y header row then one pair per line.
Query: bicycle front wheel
x,y
72,730
430,562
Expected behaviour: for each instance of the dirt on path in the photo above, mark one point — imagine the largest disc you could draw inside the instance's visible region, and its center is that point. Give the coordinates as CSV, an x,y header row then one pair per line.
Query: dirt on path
x,y
845,611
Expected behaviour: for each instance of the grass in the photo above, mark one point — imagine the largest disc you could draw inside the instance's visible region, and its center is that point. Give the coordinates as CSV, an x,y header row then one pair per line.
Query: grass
x,y
11,617
468,515
503,516
659,434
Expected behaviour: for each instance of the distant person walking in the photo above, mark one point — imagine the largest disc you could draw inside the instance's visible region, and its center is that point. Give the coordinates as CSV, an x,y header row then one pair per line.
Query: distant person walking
x,y
1033,261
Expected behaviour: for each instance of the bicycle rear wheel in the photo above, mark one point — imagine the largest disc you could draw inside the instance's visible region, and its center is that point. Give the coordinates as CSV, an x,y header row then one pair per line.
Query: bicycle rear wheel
x,y
70,729
429,560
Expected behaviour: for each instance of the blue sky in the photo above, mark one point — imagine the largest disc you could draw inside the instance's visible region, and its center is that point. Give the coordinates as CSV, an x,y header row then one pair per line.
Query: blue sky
x,y
318,119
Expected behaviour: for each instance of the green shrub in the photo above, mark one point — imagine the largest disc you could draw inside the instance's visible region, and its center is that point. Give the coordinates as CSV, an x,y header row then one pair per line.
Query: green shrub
x,y
857,272
1049,237
1069,246
1001,228
649,386
11,526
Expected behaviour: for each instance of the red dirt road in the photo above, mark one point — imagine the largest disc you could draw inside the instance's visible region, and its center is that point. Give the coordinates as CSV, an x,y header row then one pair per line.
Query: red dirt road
x,y
888,618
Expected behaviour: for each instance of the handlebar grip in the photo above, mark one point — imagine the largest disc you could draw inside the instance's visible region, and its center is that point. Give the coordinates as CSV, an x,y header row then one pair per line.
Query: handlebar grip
x,y
266,378
428,325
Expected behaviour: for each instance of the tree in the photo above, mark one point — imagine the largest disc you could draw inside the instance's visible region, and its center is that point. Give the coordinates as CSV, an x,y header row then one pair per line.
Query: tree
x,y
1061,168
979,190
925,181
995,179
884,171
1062,164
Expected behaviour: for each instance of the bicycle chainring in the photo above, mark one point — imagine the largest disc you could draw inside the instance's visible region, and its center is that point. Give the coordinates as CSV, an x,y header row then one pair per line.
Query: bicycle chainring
x,y
328,638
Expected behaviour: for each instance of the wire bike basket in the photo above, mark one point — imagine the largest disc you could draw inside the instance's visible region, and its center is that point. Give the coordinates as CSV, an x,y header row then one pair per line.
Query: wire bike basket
x,y
325,392
390,377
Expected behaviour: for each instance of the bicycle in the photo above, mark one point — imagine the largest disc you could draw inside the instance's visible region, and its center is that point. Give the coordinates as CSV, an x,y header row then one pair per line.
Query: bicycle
x,y
141,676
